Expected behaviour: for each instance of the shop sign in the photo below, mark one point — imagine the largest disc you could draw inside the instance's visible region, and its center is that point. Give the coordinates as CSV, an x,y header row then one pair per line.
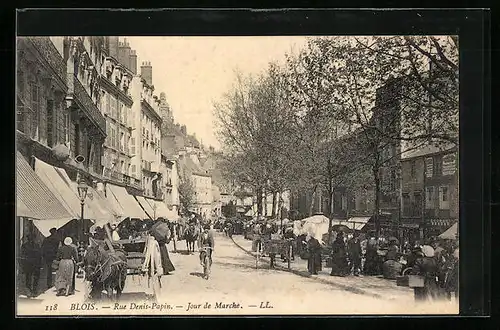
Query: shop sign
x,y
449,164
429,167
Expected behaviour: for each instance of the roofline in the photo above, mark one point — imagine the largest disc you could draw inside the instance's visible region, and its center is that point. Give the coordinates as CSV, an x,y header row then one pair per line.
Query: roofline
x,y
449,150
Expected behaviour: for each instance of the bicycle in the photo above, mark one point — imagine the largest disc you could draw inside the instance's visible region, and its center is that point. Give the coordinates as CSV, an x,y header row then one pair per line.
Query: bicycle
x,y
206,261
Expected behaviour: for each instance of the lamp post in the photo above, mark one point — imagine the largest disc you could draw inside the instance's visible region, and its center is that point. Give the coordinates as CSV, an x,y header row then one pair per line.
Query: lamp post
x,y
82,193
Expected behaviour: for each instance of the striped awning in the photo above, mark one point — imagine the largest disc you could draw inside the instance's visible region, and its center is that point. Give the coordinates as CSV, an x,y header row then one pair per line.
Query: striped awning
x,y
35,198
61,185
148,206
130,206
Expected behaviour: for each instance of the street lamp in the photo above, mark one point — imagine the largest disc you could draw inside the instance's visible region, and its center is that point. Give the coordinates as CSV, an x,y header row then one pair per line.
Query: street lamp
x,y
82,193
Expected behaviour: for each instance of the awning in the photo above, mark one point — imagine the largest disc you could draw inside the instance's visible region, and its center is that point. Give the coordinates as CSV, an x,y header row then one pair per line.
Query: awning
x,y
34,199
450,233
23,211
100,208
131,207
114,203
148,206
56,179
162,210
357,223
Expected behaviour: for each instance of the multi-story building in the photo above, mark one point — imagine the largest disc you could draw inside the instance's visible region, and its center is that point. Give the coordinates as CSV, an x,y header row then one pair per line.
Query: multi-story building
x,y
58,119
116,105
430,189
146,139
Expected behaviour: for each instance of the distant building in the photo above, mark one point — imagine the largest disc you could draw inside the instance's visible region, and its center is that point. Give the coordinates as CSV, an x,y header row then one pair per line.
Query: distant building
x,y
429,192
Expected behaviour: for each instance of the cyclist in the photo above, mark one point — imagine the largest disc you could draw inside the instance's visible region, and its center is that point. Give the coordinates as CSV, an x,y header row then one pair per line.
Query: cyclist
x,y
206,239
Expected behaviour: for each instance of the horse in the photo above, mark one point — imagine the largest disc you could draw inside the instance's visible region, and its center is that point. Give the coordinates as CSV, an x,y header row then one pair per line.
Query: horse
x,y
105,271
191,236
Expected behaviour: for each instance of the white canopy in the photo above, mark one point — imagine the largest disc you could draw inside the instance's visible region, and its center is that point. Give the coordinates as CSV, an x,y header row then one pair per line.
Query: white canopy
x,y
450,233
317,219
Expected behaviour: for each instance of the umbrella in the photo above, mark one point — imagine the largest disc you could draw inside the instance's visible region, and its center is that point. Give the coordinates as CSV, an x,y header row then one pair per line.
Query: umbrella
x,y
341,228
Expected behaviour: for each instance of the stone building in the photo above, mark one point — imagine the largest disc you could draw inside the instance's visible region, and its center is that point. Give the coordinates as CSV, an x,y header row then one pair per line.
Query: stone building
x,y
146,139
116,105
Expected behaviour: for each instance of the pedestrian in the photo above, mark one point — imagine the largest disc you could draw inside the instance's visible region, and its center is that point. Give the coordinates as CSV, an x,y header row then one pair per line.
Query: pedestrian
x,y
65,275
50,246
314,254
451,279
370,267
426,266
31,261
354,250
161,232
114,232
340,266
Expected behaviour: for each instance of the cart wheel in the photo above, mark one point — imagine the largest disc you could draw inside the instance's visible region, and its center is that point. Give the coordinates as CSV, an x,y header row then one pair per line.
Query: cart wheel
x,y
406,271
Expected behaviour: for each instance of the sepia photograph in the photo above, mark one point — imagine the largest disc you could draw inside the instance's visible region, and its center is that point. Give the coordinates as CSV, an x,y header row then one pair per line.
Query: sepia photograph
x,y
237,175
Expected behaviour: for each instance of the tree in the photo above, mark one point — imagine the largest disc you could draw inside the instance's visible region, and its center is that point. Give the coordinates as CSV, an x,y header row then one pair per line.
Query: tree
x,y
186,192
375,87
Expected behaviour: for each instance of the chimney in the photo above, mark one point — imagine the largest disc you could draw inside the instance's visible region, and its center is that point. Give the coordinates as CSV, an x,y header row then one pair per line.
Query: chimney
x,y
133,61
113,46
147,72
124,53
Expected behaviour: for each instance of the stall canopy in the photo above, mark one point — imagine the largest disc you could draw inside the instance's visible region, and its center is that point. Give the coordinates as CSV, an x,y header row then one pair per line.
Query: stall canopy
x,y
357,223
450,233
130,206
35,200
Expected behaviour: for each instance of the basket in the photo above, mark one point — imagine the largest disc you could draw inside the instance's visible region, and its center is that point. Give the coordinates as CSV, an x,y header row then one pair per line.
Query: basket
x,y
412,281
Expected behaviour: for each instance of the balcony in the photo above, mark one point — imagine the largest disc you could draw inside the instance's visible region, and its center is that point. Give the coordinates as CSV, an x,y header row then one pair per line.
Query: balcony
x,y
132,182
88,107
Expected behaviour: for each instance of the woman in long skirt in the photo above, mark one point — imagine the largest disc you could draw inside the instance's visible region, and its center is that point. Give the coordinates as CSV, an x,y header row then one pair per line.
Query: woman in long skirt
x,y
314,260
65,274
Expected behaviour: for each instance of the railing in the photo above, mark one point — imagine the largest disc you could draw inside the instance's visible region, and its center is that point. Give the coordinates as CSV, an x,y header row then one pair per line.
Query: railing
x,y
51,55
89,108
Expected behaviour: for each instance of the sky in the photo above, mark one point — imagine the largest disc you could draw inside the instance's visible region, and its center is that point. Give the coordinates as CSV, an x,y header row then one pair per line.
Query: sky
x,y
196,71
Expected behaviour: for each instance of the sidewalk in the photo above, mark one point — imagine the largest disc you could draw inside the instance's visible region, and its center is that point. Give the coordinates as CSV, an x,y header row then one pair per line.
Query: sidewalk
x,y
79,296
367,285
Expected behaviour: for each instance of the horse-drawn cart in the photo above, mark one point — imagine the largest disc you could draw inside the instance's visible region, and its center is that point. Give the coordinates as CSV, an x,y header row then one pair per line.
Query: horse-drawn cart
x,y
135,254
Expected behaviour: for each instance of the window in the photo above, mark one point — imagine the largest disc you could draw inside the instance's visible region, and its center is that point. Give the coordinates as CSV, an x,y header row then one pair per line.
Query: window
x,y
132,147
417,204
107,104
50,123
429,198
406,205
412,169
113,107
66,125
444,203
122,142
35,108
133,169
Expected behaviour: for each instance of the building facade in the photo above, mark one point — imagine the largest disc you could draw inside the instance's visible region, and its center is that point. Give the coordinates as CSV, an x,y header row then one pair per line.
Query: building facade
x,y
58,94
429,193
146,140
116,106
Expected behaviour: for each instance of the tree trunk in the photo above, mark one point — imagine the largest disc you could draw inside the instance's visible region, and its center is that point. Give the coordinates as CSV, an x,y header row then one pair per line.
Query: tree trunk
x,y
275,200
259,201
311,205
376,213
265,202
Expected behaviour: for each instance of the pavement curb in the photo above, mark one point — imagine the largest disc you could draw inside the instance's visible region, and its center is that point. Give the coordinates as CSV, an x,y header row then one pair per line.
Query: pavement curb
x,y
298,273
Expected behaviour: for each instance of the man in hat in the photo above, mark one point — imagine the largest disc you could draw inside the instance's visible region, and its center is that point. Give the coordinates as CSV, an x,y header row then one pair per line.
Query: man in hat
x,y
354,250
50,246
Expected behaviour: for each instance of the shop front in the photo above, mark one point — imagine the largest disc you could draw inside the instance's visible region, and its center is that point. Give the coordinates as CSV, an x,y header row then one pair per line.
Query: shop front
x,y
435,227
